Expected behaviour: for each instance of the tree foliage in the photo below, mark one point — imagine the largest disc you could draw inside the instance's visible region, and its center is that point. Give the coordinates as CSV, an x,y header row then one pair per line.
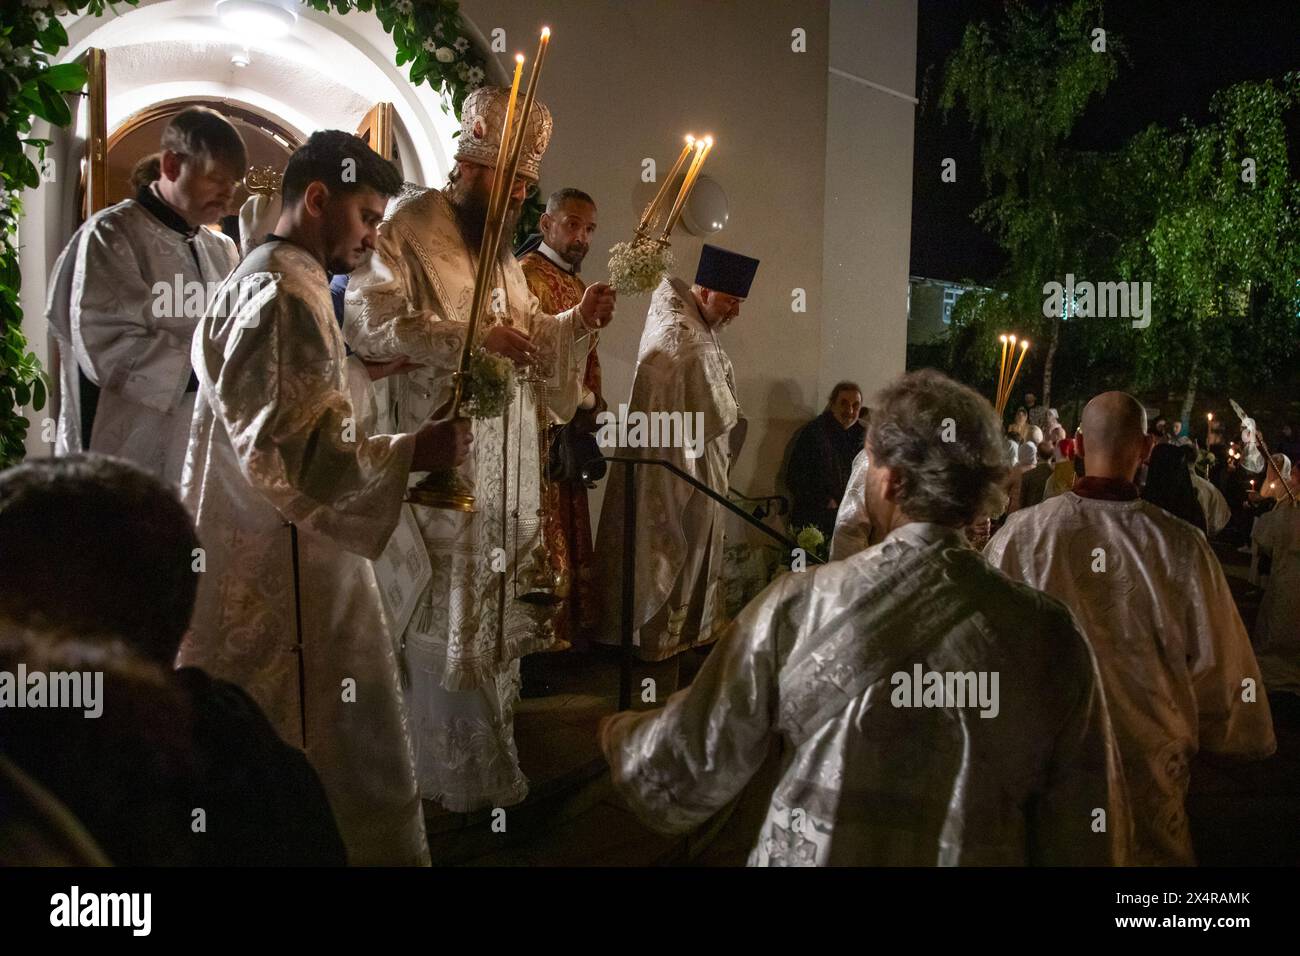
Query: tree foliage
x,y
1217,237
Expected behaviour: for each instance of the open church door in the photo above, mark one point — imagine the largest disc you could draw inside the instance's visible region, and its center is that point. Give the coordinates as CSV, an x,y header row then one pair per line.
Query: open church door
x,y
79,154
376,129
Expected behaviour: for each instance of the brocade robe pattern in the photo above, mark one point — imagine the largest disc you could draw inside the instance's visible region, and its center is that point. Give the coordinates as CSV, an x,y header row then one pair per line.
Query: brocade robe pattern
x,y
867,777
678,598
277,439
1213,504
462,646
852,523
1277,629
129,339
569,525
1172,650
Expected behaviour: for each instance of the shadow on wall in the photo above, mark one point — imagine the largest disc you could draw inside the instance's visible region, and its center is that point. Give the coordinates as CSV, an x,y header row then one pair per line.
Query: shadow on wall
x,y
781,433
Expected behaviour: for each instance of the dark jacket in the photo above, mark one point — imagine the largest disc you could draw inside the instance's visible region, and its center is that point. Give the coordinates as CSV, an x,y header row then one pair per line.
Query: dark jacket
x,y
819,469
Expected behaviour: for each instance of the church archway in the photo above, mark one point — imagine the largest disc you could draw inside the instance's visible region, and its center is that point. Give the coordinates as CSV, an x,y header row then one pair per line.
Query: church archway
x,y
328,72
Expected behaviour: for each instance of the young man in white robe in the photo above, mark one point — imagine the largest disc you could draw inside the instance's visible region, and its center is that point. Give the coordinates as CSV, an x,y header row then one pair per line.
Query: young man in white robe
x,y
1175,660
462,646
683,377
128,292
294,499
931,711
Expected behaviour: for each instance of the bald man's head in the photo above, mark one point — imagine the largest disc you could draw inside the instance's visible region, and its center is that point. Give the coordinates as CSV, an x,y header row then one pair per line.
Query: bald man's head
x,y
1115,439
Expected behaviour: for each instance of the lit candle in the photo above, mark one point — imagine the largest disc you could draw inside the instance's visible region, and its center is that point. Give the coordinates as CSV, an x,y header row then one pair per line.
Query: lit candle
x,y
498,174
653,209
1024,347
702,147
1006,382
497,196
525,114
1001,375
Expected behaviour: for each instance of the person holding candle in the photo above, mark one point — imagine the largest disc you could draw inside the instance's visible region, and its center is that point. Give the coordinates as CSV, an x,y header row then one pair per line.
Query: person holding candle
x,y
462,646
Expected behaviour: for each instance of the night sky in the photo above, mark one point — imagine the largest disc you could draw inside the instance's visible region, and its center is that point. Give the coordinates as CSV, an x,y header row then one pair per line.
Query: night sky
x,y
1179,52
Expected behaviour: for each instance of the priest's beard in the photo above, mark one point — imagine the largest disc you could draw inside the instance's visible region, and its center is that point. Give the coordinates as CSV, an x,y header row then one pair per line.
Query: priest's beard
x,y
470,206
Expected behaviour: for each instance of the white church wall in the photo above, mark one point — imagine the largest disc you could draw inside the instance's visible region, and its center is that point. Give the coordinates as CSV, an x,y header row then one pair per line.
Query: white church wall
x,y
871,107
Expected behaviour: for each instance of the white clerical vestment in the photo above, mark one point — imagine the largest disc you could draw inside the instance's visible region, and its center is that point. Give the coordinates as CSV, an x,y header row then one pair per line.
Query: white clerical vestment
x,y
462,646
878,767
277,439
125,297
1174,656
852,523
681,371
1277,629
1215,506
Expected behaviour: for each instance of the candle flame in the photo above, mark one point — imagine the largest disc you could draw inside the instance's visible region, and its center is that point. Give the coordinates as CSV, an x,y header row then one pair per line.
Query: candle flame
x,y
690,140
519,58
546,32
1024,343
1002,338
708,141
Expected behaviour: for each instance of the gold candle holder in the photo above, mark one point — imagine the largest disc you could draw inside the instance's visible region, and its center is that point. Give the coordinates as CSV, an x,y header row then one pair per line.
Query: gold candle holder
x,y
445,488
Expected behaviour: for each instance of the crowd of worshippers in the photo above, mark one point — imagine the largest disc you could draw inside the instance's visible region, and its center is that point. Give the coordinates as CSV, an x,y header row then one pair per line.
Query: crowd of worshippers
x,y
913,701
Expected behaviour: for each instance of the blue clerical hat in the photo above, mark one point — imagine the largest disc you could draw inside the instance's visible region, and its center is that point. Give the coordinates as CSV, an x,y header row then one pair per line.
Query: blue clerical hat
x,y
725,271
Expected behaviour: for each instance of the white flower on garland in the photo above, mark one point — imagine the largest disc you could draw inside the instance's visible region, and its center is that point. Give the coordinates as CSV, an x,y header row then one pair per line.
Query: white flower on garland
x,y
461,44
41,20
429,45
445,54
474,76
637,266
437,29
404,7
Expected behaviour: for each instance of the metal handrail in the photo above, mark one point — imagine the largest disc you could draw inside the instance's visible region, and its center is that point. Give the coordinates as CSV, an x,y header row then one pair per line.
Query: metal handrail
x,y
781,501
629,550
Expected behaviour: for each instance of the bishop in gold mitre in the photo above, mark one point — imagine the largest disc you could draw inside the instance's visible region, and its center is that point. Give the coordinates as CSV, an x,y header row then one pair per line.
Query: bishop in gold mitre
x,y
462,646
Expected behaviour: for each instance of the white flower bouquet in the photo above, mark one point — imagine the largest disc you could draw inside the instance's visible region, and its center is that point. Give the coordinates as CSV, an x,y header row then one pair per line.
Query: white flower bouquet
x,y
637,266
490,386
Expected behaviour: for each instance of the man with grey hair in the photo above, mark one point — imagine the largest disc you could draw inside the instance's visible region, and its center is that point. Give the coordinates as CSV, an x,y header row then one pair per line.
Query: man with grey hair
x,y
1175,661
934,712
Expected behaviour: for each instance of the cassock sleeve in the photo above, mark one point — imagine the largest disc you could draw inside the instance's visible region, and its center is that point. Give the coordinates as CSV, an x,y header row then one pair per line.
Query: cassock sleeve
x,y
1223,666
562,342
380,321
678,766
118,346
1220,514
298,438
852,523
